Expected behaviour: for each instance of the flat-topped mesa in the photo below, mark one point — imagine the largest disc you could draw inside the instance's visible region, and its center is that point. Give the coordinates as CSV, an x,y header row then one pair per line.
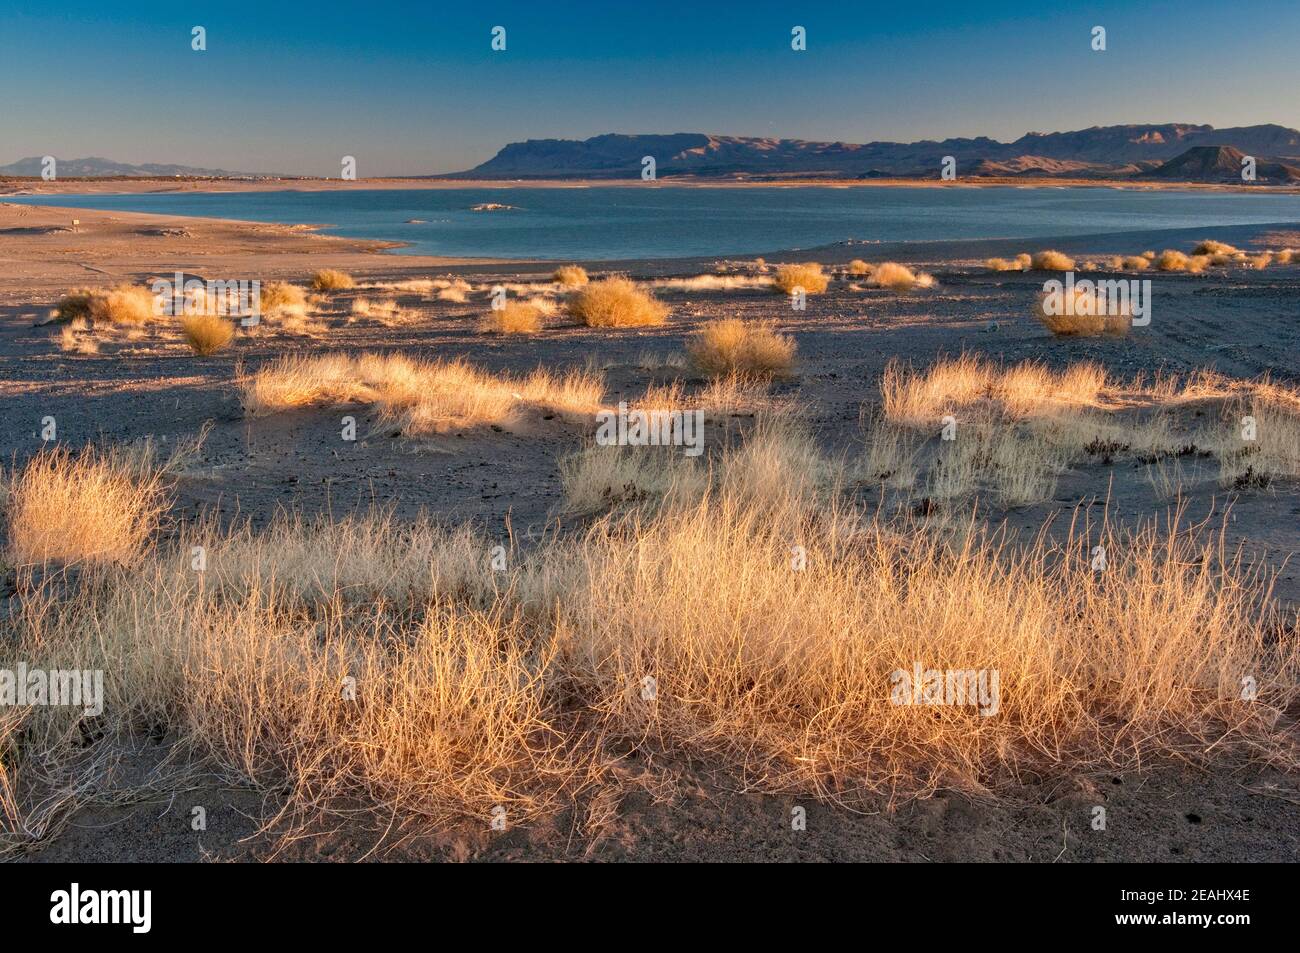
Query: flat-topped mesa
x,y
1099,152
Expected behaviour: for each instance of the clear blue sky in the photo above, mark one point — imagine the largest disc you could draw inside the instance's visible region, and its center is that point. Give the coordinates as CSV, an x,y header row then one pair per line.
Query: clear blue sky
x,y
414,88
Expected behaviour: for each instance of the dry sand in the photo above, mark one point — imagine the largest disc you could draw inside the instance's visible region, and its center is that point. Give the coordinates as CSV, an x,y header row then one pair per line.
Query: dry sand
x,y
1242,323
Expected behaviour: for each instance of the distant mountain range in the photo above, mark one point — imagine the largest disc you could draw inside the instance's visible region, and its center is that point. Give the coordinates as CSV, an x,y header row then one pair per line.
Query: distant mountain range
x,y
96,167
1171,150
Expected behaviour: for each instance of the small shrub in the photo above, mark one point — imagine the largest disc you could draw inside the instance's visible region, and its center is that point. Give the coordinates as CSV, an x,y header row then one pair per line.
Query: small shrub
x,y
207,333
328,279
616,303
745,349
1051,261
808,276
516,317
570,276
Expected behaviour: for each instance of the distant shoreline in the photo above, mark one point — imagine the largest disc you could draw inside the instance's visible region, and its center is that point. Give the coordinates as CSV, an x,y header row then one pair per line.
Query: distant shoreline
x,y
16,186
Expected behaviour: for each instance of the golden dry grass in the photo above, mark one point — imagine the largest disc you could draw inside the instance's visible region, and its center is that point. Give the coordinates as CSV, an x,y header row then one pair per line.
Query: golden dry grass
x,y
516,317
387,311
207,333
751,617
88,507
330,279
750,349
1084,321
892,275
1019,263
570,276
422,396
1051,261
858,267
807,277
1211,247
120,305
274,295
616,303
1172,260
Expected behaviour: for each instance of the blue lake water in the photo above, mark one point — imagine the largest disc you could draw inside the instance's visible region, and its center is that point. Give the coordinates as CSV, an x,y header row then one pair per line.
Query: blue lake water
x,y
661,222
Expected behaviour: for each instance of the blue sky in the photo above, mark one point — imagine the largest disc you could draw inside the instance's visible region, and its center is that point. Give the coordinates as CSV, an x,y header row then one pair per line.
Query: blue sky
x,y
414,88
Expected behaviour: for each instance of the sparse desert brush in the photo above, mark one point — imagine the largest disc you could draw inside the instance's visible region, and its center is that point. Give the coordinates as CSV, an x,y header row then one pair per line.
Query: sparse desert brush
x,y
1261,261
385,311
859,267
615,303
570,276
423,397
712,283
807,277
1051,261
970,385
123,304
743,348
93,506
892,275
1257,438
1135,263
1172,260
1196,264
516,317
1019,263
330,279
1285,256
207,333
1083,313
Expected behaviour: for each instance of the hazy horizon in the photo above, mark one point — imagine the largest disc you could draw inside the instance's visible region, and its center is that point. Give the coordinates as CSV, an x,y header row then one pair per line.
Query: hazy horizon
x,y
293,89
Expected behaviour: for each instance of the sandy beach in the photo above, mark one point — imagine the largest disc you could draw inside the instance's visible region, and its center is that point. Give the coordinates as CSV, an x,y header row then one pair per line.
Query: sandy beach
x,y
506,479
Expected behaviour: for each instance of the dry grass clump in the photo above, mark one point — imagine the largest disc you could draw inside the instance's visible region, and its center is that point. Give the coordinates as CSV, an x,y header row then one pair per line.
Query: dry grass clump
x,y
516,317
807,277
90,507
750,349
1087,318
616,303
921,398
1211,247
1172,260
713,283
423,397
892,275
1021,262
859,267
570,276
1051,261
280,295
207,333
329,279
1257,439
1261,261
386,312
123,304
1134,263
1285,256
